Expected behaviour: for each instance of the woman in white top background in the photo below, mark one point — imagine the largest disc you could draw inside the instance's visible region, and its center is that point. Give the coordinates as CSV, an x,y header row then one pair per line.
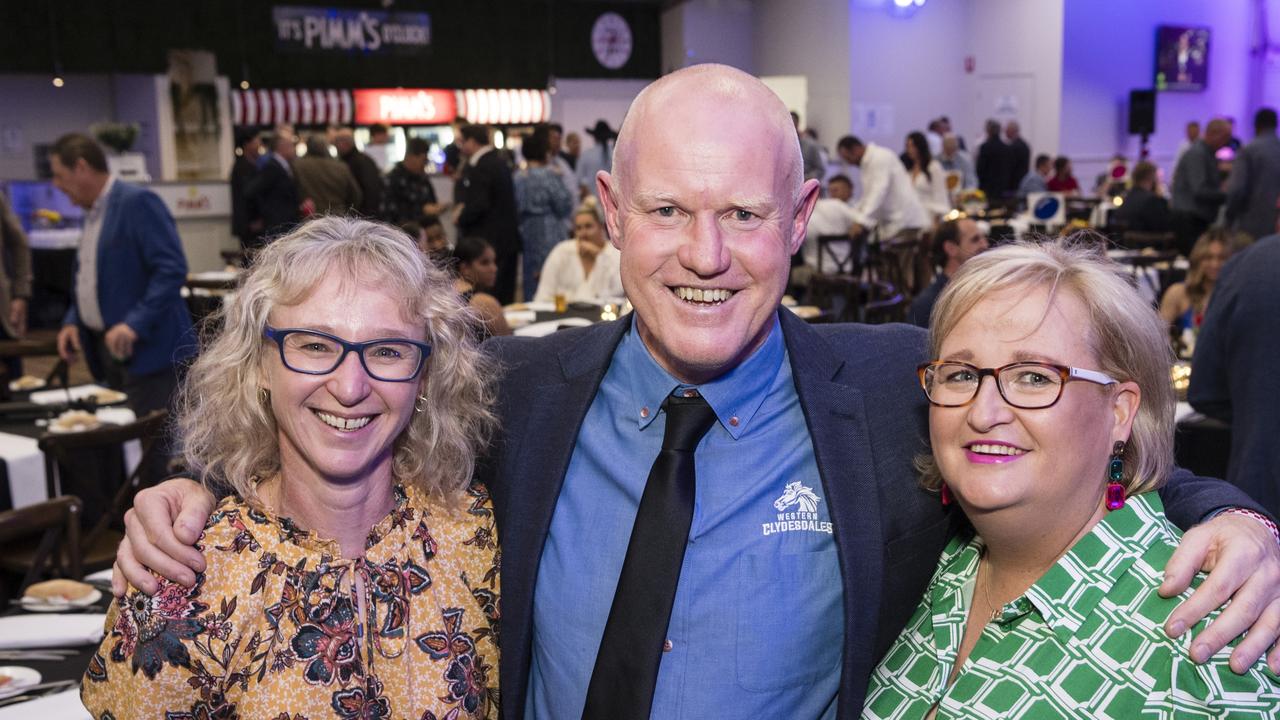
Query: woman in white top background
x,y
584,269
927,175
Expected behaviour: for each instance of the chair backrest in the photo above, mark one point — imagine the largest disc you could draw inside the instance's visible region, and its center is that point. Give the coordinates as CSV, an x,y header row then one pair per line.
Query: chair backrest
x,y
147,430
57,523
842,252
838,294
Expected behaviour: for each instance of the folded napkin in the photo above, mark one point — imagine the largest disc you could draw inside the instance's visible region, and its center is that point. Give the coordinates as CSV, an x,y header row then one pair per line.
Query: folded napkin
x,y
42,630
63,705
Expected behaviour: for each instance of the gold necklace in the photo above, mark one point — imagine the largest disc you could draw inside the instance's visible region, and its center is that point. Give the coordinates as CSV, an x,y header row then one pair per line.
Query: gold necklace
x,y
996,611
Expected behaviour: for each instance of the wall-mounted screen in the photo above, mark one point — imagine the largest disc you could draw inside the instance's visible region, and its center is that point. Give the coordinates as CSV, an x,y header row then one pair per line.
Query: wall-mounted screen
x,y
1182,58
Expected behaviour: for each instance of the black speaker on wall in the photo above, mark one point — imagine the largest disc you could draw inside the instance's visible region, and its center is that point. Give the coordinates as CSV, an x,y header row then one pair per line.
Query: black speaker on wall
x,y
1142,112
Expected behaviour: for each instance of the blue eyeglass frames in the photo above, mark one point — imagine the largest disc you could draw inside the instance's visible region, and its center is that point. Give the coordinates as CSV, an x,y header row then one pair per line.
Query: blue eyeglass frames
x,y
312,352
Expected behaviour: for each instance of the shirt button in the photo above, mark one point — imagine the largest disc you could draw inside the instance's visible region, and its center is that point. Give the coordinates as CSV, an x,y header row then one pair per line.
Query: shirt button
x,y
644,412
667,645
734,421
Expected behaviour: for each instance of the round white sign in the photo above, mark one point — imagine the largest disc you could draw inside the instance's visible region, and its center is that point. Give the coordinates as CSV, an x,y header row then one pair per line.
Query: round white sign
x,y
611,40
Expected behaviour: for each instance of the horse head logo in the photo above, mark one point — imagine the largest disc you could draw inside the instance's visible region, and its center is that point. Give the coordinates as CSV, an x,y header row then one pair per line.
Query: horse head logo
x,y
797,494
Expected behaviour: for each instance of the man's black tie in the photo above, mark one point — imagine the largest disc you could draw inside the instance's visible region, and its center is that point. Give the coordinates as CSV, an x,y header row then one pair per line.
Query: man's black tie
x,y
626,667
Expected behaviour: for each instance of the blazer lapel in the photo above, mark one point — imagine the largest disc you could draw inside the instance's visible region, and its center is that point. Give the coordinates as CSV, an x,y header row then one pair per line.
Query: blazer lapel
x,y
542,430
837,421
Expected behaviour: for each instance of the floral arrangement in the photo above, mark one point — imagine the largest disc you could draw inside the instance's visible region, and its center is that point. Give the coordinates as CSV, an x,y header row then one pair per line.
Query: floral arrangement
x,y
117,136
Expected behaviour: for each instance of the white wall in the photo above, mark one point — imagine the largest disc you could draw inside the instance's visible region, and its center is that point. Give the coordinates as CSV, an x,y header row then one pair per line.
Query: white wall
x,y
578,104
33,111
905,70
708,31
1109,49
809,38
1017,48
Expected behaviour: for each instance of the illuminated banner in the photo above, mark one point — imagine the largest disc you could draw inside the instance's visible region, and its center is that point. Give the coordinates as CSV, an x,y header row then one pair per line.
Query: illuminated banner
x,y
335,30
405,107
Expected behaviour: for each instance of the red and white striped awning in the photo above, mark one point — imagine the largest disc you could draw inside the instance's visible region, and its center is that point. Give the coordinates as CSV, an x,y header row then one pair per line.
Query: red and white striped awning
x,y
504,107
300,107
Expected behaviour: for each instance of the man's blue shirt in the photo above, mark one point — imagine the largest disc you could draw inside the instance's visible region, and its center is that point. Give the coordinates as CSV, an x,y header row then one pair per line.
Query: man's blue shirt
x,y
757,626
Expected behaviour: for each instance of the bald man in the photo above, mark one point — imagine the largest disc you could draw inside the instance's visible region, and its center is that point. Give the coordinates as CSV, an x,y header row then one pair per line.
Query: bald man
x,y
809,542
1197,185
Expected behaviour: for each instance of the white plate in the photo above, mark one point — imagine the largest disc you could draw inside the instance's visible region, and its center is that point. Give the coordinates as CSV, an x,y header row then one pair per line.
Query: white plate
x,y
14,387
23,677
41,605
61,430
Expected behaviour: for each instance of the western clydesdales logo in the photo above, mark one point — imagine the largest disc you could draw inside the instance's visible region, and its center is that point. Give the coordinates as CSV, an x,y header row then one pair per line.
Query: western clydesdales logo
x,y
797,510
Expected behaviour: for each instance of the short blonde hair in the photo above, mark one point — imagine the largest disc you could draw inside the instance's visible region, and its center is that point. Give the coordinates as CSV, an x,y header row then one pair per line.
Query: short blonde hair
x,y
1125,333
229,434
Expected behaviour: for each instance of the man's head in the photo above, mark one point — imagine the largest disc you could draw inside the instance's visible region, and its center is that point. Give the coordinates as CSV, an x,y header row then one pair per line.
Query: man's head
x,y
1062,166
1193,131
950,145
840,187
956,241
573,144
79,168
1217,133
851,149
318,146
415,155
993,129
473,137
944,124
1144,176
935,126
1044,165
555,134
285,144
1011,130
706,203
248,144
344,141
379,133
1264,121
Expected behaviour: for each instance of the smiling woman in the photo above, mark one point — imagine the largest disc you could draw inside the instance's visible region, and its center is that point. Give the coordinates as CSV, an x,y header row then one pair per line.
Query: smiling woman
x,y
354,569
1051,423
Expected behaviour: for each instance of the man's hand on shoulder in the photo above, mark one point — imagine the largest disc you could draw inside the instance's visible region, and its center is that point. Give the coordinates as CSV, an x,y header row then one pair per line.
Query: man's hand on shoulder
x,y
1243,561
160,531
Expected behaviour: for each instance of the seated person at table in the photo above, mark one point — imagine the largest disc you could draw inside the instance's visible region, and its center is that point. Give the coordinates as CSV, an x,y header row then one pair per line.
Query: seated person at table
x,y
584,269
354,567
955,242
1184,303
1063,181
475,268
1051,423
1143,209
428,234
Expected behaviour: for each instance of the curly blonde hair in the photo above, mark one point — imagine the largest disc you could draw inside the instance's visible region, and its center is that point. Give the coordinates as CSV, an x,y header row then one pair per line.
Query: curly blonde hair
x,y
230,438
1125,333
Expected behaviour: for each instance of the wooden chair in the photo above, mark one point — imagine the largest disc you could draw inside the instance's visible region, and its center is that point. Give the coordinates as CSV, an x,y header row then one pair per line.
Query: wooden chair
x,y
849,263
64,460
41,540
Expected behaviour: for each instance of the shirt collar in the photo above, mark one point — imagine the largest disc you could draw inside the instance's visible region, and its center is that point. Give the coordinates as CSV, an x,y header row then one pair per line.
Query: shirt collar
x,y
475,158
735,396
1070,591
100,202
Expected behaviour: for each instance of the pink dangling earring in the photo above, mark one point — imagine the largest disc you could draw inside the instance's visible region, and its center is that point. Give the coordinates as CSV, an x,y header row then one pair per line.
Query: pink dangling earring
x,y
1115,474
946,495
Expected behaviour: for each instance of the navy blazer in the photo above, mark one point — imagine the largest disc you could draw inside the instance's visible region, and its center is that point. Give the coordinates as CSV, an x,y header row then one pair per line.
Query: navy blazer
x,y
141,271
857,387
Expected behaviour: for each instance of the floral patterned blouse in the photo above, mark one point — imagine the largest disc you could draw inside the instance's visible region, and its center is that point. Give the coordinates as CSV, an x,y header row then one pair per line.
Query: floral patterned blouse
x,y
273,627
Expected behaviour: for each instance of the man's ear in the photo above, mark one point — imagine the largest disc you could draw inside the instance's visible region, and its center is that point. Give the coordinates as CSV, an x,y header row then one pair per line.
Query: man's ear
x,y
607,189
809,192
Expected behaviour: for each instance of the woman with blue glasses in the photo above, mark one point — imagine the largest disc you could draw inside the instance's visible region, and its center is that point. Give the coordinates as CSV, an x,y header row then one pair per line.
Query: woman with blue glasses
x,y
352,569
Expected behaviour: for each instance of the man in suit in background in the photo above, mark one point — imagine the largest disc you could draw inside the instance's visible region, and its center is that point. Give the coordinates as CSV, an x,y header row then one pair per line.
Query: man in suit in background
x,y
127,317
1197,186
1020,152
1144,209
365,171
324,182
488,206
994,166
273,192
1254,185
244,225
809,543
